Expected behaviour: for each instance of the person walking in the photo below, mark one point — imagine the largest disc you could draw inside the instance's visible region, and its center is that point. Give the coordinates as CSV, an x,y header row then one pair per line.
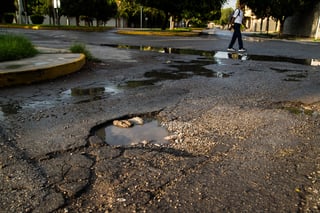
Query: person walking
x,y
237,19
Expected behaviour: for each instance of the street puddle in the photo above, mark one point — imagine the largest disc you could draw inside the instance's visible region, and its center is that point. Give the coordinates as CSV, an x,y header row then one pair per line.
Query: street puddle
x,y
139,83
282,70
230,55
91,91
177,70
150,132
73,96
296,77
70,96
216,55
89,94
168,50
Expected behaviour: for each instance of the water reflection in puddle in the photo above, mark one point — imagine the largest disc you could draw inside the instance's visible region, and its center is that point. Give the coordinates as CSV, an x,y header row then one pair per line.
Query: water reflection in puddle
x,y
183,70
168,50
177,70
69,96
219,54
229,55
150,132
88,94
90,91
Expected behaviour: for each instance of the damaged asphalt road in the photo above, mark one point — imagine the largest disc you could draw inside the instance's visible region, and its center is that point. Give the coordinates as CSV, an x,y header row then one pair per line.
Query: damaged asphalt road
x,y
246,131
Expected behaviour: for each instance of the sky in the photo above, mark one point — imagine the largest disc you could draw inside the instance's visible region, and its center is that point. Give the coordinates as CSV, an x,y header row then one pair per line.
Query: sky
x,y
230,3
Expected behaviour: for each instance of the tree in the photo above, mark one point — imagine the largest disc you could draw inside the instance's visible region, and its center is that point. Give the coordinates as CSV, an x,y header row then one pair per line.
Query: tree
x,y
7,6
37,7
169,7
191,8
282,9
202,10
127,8
260,8
72,8
101,10
225,14
104,10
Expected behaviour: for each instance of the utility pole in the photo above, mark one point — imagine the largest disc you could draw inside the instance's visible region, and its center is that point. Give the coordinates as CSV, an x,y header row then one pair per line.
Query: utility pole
x,y
56,7
20,4
141,16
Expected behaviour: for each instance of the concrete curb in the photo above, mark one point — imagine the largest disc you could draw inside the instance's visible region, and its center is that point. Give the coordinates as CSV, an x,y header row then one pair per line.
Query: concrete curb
x,y
40,68
156,33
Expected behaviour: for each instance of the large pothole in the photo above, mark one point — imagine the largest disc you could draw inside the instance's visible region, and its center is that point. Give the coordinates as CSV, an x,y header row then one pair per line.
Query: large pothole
x,y
149,131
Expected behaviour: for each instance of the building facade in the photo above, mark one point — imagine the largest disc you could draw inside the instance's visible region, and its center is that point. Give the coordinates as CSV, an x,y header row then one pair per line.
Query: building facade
x,y
260,25
305,25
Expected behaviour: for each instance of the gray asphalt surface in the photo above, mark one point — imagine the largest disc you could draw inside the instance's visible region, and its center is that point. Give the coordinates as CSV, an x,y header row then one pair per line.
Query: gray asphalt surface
x,y
245,131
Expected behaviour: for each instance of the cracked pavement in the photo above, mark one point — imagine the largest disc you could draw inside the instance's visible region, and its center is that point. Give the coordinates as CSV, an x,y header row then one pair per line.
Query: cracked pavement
x,y
247,141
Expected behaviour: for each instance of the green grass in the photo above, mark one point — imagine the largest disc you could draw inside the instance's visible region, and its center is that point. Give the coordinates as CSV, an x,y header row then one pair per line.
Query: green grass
x,y
81,48
15,47
55,27
158,32
181,29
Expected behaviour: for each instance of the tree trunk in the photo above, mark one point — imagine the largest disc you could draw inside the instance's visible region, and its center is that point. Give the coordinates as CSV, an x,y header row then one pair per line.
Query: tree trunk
x,y
276,27
164,22
77,21
187,23
171,22
268,22
281,26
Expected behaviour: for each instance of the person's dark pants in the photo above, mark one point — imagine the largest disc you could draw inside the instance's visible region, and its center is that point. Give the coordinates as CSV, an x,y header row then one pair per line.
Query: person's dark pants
x,y
236,35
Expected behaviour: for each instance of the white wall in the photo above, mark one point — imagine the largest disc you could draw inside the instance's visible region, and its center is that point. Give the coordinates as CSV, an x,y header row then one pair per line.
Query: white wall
x,y
72,22
303,24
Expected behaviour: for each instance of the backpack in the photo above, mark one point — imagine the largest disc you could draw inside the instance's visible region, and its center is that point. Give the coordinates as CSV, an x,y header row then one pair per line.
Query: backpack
x,y
231,15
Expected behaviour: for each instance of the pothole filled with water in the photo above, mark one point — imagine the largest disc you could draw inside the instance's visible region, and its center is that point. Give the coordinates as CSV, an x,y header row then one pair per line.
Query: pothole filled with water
x,y
143,130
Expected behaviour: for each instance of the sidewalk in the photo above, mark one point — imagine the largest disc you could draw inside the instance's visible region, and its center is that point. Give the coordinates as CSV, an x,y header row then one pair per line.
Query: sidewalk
x,y
49,64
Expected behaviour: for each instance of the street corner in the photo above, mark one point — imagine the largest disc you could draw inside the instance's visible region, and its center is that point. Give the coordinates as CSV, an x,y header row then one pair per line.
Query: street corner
x,y
40,68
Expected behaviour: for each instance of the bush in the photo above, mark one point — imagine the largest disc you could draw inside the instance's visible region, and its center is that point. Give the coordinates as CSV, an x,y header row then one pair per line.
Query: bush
x,y
8,18
37,19
81,48
14,47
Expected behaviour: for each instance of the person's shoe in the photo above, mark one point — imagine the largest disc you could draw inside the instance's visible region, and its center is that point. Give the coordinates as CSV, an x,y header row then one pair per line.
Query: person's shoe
x,y
242,50
231,50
